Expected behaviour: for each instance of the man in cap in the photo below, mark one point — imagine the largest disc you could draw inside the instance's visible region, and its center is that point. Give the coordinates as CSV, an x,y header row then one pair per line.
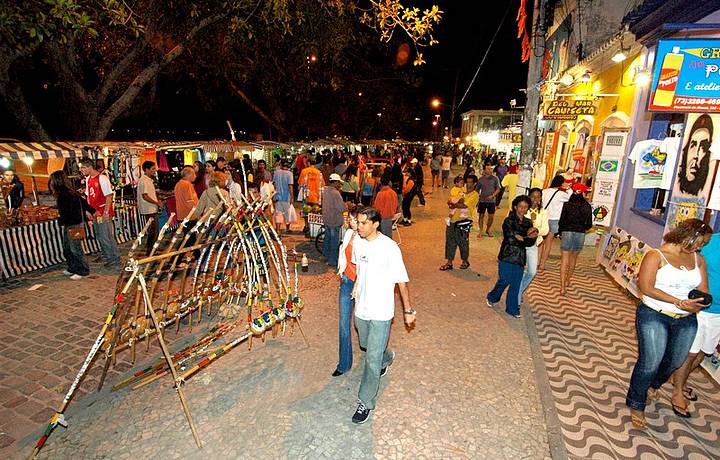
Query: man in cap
x,y
333,219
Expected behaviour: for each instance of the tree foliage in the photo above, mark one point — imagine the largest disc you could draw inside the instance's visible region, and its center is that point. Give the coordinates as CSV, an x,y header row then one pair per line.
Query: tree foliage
x,y
77,66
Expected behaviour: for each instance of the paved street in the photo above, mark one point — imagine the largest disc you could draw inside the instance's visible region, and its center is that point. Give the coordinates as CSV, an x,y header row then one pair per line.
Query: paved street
x,y
464,384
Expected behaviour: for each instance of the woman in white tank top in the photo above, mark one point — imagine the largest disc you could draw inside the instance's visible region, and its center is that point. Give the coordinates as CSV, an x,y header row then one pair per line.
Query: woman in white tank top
x,y
665,320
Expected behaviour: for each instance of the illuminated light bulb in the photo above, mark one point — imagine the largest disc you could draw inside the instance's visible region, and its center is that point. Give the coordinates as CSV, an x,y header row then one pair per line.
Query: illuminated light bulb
x,y
28,160
642,77
4,163
619,56
567,79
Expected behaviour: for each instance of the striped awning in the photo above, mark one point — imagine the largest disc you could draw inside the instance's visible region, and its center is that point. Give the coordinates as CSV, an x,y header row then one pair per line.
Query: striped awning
x,y
39,150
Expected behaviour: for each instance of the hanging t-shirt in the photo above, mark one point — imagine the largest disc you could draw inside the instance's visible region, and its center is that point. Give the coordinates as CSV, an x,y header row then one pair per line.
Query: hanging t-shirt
x,y
671,147
649,163
380,267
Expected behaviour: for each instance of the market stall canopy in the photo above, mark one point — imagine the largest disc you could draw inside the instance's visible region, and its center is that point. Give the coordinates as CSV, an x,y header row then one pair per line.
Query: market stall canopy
x,y
39,150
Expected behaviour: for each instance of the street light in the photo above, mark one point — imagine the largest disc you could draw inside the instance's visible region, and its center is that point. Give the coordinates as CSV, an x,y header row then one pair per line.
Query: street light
x,y
360,94
434,123
435,103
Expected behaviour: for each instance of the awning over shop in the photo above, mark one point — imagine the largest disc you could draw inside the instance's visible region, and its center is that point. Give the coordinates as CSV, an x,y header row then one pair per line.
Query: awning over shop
x,y
39,150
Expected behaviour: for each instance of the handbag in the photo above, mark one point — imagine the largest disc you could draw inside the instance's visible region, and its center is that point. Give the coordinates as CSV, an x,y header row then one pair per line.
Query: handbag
x,y
78,232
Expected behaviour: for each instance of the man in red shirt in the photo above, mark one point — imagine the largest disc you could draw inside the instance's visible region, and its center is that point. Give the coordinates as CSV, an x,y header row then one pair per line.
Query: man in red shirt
x,y
100,196
386,201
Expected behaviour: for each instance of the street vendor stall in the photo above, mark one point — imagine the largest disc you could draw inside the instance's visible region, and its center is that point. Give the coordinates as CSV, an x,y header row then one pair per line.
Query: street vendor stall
x,y
30,235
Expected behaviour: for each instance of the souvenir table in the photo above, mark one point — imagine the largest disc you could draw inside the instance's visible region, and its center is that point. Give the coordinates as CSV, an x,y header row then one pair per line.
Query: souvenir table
x,y
25,248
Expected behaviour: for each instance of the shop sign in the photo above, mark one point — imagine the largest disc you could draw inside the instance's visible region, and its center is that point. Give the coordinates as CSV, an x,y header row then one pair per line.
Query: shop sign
x,y
567,110
686,76
607,176
510,138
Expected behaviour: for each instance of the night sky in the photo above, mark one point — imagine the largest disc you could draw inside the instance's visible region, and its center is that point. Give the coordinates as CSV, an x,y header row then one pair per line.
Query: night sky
x,y
464,34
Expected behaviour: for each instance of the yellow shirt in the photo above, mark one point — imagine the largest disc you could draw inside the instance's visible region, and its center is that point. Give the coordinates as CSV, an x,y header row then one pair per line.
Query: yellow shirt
x,y
510,183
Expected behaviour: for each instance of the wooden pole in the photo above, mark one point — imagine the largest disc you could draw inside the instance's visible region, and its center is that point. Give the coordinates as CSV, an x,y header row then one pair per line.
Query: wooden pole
x,y
168,357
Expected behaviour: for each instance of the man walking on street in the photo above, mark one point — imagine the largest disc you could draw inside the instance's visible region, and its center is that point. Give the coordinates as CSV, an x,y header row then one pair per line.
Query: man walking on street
x,y
283,180
500,170
445,162
380,267
489,188
100,196
148,203
311,183
333,220
386,202
419,177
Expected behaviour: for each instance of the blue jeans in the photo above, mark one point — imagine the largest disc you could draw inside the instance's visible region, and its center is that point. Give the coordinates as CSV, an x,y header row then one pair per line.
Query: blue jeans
x,y
345,337
373,337
508,275
73,253
105,235
531,263
331,244
663,345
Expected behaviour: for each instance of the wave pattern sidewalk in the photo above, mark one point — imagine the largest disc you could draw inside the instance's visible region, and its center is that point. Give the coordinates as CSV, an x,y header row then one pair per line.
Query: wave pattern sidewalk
x,y
588,343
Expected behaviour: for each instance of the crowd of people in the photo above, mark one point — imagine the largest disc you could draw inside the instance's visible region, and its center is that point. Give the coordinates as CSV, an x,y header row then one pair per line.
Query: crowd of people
x,y
362,198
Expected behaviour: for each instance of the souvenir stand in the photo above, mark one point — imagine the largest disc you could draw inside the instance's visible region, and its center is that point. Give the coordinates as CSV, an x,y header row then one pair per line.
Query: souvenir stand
x,y
31,238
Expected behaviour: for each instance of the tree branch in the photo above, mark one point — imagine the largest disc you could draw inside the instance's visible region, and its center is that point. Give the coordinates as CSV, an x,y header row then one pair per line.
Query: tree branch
x,y
65,65
14,98
103,91
257,109
148,73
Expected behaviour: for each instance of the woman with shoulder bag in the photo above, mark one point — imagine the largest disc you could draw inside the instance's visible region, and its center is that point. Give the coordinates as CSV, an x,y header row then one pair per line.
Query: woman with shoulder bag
x,y
553,199
670,278
73,210
347,274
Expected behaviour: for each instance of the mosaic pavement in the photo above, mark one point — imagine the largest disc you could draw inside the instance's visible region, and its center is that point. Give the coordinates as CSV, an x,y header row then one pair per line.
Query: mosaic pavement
x,y
589,347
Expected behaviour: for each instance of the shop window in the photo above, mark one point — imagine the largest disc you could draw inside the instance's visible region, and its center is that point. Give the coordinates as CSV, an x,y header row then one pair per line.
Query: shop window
x,y
650,202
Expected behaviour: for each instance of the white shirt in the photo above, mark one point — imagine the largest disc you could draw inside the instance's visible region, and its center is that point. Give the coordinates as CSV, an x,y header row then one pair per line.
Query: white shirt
x,y
671,147
379,267
555,206
146,186
445,165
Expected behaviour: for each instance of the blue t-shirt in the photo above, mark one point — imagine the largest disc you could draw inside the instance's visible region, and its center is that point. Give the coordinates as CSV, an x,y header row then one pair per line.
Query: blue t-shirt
x,y
711,253
282,178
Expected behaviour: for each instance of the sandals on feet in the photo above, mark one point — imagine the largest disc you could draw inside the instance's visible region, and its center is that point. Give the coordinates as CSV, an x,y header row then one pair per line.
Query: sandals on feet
x,y
683,412
464,265
689,394
638,420
446,267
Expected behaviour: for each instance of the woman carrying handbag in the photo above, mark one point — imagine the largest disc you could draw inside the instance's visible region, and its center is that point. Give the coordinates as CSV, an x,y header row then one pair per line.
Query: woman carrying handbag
x,y
73,209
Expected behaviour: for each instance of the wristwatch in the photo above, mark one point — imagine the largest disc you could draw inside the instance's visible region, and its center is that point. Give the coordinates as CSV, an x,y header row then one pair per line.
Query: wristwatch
x,y
409,312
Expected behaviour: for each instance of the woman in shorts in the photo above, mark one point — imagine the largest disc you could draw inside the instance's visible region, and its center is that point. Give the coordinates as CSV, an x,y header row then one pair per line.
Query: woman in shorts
x,y
575,220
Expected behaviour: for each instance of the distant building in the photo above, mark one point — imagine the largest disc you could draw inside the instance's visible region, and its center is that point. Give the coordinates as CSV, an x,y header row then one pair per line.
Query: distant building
x,y
475,121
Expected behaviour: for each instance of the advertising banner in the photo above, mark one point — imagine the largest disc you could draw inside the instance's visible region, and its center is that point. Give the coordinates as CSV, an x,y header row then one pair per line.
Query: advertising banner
x,y
686,76
567,110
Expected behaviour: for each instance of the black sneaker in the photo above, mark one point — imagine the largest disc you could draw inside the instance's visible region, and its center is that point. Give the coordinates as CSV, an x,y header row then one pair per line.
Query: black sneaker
x,y
361,414
385,369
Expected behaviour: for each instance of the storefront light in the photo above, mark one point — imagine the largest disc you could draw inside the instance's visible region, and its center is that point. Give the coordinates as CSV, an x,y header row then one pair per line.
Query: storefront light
x,y
586,77
4,163
641,77
28,160
567,79
619,56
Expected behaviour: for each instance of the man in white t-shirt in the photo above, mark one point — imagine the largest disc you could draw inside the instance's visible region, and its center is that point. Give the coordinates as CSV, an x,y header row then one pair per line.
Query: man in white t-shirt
x,y
379,267
445,162
148,203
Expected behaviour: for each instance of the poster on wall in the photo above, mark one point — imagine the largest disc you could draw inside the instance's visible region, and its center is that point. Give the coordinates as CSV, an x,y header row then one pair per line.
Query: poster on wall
x,y
607,176
694,171
686,77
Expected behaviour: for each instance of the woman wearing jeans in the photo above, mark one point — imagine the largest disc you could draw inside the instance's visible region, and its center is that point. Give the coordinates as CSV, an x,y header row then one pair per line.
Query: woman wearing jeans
x,y
539,217
71,206
665,319
575,220
347,274
518,234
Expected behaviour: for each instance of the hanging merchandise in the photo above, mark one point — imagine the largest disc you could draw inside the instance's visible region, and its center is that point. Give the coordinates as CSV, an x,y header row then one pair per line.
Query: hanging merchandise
x,y
670,146
189,157
163,163
649,164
